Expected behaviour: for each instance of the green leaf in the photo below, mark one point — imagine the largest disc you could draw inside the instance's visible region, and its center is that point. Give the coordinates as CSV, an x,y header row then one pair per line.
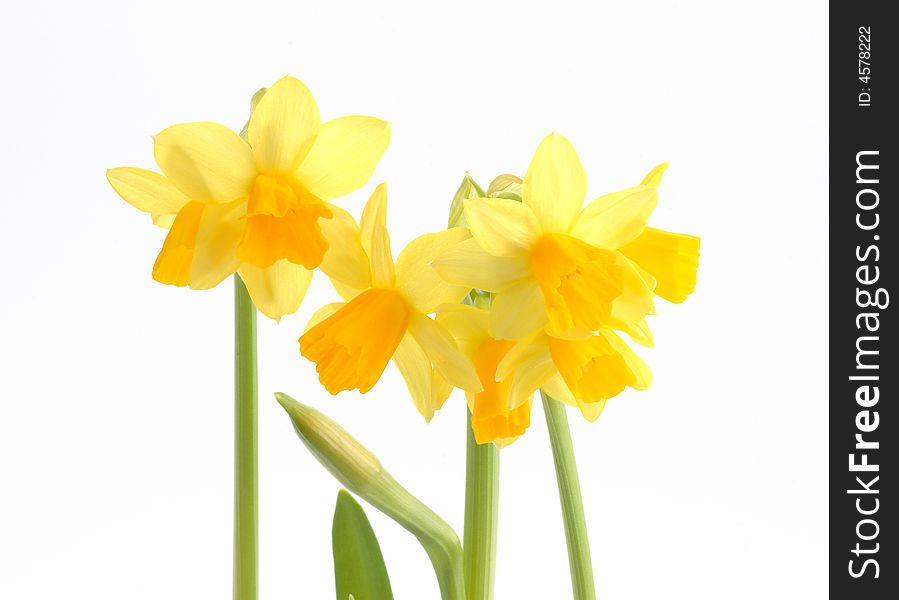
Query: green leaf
x,y
359,570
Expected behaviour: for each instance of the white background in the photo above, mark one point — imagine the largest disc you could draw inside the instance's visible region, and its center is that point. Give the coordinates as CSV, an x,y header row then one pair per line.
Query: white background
x,y
115,434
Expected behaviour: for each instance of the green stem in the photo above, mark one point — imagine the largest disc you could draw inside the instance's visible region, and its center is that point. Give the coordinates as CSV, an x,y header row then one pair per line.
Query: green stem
x,y
481,512
246,515
570,495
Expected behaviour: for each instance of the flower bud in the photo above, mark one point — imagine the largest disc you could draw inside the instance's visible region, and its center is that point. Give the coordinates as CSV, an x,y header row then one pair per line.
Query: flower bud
x,y
467,189
505,186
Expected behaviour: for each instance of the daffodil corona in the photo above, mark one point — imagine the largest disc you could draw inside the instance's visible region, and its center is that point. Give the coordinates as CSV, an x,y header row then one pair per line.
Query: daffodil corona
x,y
259,206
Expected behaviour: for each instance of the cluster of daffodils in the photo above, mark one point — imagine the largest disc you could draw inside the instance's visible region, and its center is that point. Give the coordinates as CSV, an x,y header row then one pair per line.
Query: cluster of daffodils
x,y
527,290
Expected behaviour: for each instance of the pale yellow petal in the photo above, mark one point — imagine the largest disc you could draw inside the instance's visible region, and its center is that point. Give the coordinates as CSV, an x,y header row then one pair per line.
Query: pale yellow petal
x,y
636,299
323,313
277,290
638,331
149,192
517,311
556,389
215,254
527,367
613,220
344,156
672,258
637,366
441,348
415,367
468,325
555,184
592,410
206,161
502,227
283,126
468,264
345,291
164,221
654,177
344,260
376,240
416,277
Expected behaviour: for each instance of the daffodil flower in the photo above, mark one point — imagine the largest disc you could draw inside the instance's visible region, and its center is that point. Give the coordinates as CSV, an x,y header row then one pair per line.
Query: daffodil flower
x,y
571,271
583,373
260,207
385,314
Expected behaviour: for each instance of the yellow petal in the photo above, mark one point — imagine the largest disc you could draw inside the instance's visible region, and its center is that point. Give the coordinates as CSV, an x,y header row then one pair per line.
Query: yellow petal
x,y
636,299
416,277
215,255
672,258
376,240
517,311
283,126
526,367
206,161
641,371
613,220
323,313
344,156
502,227
555,184
654,177
345,259
468,325
149,192
441,348
164,221
557,390
428,391
352,347
174,261
468,264
638,331
277,290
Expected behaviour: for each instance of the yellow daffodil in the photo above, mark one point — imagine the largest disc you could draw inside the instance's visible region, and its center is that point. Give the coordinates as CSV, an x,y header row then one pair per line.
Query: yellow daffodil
x,y
572,271
261,206
385,313
582,373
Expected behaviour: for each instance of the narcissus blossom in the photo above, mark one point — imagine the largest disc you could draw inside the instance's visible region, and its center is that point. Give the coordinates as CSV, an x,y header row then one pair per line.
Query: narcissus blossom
x,y
583,373
563,281
385,312
554,265
259,206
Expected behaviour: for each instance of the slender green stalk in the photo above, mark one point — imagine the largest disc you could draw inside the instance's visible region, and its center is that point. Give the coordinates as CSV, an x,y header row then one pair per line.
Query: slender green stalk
x,y
570,495
246,514
481,512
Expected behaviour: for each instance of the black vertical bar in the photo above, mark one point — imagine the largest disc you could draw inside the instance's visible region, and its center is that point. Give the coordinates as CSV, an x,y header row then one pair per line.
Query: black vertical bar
x,y
864,563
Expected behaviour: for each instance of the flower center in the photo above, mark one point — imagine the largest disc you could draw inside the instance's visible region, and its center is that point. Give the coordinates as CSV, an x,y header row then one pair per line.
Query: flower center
x,y
591,368
351,348
282,222
579,282
491,419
